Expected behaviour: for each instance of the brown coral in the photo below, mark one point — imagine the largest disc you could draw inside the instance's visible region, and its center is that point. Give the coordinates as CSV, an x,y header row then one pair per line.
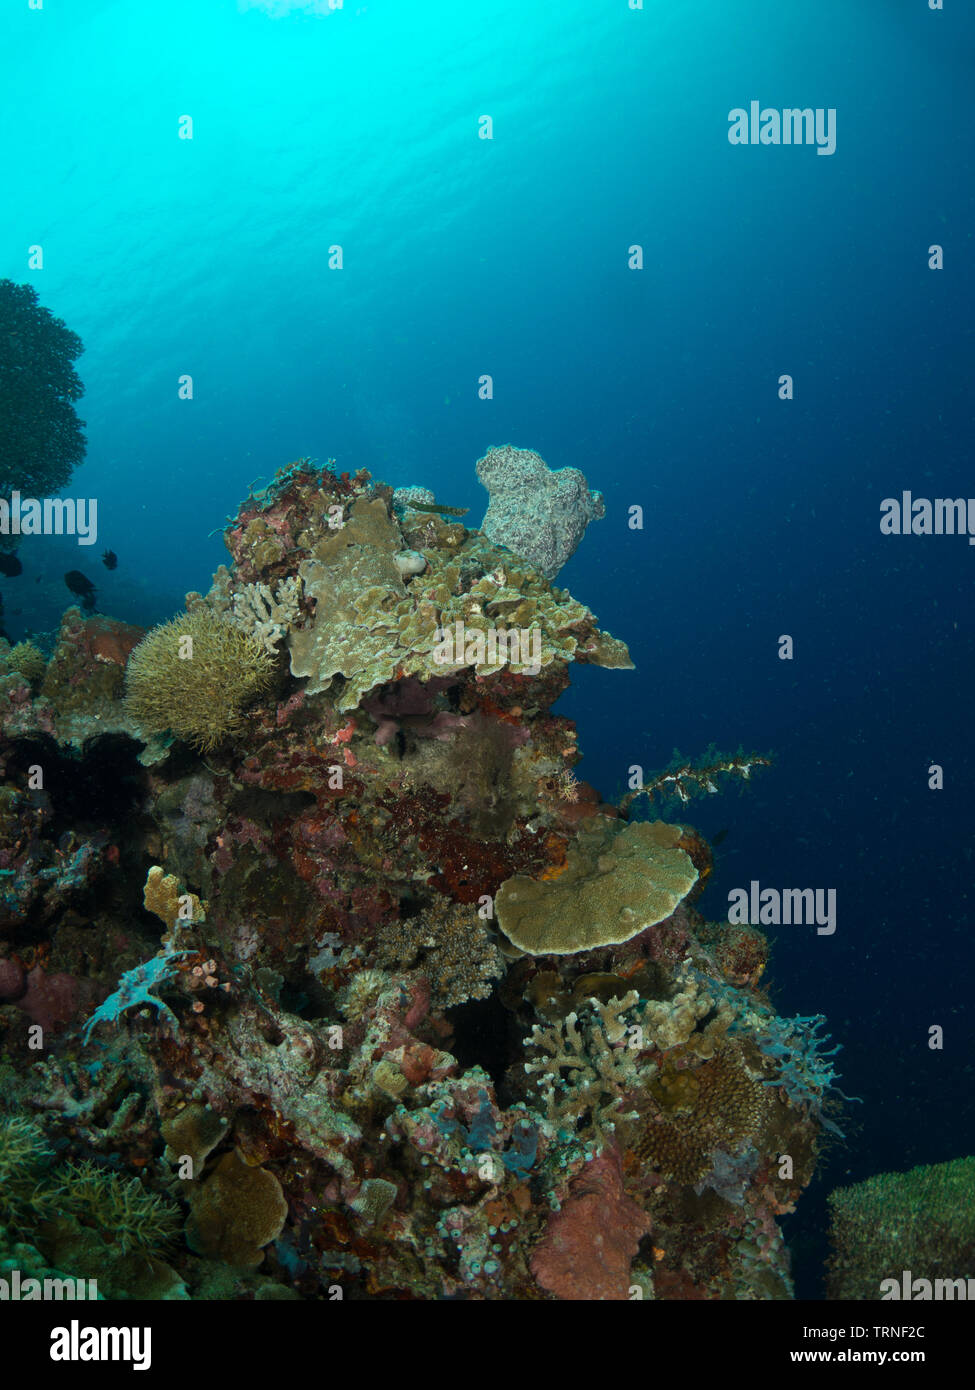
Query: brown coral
x,y
616,884
718,1105
194,676
235,1213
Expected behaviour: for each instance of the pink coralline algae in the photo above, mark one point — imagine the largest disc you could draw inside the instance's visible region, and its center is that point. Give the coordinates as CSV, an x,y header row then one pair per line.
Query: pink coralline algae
x,y
588,1247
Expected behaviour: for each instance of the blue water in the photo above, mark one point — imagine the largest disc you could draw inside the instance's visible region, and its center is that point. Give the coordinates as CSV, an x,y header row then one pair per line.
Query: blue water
x,y
463,256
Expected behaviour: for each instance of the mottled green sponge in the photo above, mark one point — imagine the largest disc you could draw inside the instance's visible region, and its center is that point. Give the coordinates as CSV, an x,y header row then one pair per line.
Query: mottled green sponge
x,y
921,1222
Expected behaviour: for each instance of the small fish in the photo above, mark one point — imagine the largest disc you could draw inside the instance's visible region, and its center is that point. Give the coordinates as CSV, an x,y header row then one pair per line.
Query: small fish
x,y
9,564
81,585
436,507
110,560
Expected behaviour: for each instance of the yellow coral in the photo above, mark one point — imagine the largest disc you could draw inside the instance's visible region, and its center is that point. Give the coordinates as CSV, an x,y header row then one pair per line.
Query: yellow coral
x,y
28,660
162,896
616,883
194,676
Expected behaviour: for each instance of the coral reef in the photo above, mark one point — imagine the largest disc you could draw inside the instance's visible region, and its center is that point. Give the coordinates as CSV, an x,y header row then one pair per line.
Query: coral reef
x,y
913,1230
538,513
377,995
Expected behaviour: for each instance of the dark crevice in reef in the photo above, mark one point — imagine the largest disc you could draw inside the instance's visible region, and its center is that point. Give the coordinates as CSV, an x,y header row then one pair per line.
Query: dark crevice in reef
x,y
480,1035
266,807
101,788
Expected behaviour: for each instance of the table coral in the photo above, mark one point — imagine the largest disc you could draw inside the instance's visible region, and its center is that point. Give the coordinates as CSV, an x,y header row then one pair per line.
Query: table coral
x,y
616,883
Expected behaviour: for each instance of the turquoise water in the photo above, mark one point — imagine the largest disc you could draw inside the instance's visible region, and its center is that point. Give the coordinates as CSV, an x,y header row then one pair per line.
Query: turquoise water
x,y
360,128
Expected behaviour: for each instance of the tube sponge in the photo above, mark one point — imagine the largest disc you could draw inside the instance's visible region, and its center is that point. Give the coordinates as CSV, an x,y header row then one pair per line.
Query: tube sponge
x,y
194,676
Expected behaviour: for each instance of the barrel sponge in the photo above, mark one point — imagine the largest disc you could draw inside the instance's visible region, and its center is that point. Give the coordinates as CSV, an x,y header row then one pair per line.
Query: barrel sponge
x,y
615,884
193,676
539,513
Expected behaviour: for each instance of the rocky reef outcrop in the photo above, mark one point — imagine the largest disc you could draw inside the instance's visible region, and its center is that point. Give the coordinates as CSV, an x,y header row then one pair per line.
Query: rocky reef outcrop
x,y
338,961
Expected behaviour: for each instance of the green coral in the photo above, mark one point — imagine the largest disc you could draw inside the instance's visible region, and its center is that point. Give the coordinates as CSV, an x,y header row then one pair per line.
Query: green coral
x,y
24,1158
194,676
121,1210
922,1221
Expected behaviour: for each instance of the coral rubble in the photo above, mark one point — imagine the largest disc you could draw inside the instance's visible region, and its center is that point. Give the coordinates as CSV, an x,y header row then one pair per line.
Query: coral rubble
x,y
375,995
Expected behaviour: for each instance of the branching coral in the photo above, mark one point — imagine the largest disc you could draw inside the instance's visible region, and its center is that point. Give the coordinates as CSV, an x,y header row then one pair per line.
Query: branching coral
x,y
802,1059
454,948
583,1067
96,1104
194,676
264,612
123,1211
